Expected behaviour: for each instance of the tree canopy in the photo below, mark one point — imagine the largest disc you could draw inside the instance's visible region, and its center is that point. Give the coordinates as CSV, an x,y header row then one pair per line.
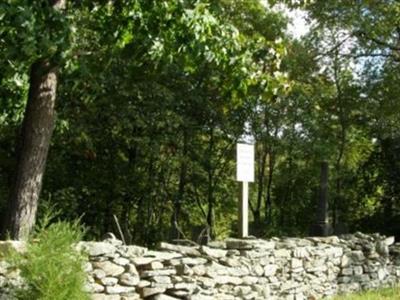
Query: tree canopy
x,y
152,97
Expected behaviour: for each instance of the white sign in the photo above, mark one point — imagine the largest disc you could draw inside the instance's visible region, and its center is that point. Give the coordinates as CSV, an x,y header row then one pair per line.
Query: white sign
x,y
245,162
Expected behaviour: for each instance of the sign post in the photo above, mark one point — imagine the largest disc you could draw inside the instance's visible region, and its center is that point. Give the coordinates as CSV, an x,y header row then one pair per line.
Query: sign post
x,y
245,174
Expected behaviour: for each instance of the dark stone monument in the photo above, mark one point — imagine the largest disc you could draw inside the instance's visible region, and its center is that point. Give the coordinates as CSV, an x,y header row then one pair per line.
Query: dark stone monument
x,y
321,226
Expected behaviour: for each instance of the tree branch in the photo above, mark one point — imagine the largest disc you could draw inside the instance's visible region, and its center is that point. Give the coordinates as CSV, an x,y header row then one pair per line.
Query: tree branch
x,y
364,35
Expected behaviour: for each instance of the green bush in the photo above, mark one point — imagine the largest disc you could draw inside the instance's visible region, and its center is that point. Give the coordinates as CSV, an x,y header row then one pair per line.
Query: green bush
x,y
51,267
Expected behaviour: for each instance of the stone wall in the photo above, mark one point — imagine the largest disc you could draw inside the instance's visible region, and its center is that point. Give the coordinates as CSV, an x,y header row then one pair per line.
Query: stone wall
x,y
284,268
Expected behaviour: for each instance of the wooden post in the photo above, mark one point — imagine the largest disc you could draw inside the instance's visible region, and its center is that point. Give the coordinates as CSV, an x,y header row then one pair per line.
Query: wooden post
x,y
244,210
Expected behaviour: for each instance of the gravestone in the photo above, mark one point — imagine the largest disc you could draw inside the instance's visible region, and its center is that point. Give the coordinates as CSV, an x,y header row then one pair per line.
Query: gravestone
x,y
321,226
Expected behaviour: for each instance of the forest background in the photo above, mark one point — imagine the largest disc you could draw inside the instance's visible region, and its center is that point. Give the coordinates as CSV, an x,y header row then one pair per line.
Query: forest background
x,y
152,97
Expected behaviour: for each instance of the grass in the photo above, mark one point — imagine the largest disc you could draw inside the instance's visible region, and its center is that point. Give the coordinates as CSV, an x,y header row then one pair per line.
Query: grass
x,y
381,294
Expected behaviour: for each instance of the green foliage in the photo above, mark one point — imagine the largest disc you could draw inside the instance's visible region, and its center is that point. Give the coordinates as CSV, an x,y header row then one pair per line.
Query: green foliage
x,y
51,267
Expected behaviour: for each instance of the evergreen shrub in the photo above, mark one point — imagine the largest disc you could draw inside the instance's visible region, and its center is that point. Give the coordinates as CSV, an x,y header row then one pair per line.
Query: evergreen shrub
x,y
51,267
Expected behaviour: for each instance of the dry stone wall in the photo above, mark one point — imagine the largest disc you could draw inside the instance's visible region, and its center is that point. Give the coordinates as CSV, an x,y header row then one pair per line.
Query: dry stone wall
x,y
284,268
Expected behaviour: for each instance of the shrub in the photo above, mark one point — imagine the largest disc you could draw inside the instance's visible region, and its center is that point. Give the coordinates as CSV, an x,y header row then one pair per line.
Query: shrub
x,y
51,267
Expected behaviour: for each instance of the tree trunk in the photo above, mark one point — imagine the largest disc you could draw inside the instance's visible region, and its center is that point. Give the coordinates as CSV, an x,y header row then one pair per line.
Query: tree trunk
x,y
210,188
37,129
260,191
268,198
175,218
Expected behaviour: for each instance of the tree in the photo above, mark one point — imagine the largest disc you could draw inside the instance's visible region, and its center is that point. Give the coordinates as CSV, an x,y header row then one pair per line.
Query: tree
x,y
36,132
153,96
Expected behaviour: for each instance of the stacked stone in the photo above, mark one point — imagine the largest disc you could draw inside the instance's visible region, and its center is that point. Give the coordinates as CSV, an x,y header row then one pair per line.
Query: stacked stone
x,y
112,275
365,263
203,273
310,267
240,269
394,254
279,268
9,276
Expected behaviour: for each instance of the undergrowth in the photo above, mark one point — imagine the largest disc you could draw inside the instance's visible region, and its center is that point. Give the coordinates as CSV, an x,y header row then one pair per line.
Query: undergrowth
x,y
51,267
